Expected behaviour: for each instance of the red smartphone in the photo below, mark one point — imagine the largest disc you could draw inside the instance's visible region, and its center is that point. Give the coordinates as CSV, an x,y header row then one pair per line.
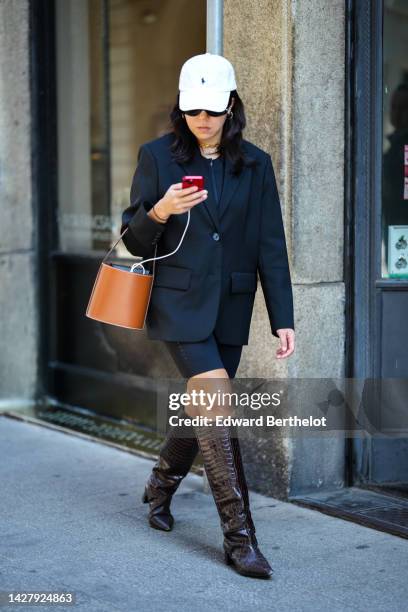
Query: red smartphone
x,y
189,181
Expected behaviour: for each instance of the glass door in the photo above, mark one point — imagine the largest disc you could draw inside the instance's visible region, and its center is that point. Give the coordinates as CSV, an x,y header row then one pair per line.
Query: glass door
x,y
381,245
117,68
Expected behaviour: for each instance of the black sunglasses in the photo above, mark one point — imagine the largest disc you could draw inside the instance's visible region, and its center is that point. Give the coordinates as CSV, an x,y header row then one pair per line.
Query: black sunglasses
x,y
197,111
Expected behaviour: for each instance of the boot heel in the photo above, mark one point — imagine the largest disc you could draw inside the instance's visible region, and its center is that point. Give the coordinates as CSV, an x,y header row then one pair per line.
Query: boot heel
x,y
227,558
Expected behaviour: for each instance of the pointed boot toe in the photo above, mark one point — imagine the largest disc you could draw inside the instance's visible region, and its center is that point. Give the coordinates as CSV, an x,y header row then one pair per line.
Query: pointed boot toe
x,y
248,561
160,516
164,522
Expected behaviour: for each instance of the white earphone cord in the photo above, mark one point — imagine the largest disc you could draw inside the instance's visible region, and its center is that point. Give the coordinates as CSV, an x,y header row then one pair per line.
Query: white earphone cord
x,y
135,265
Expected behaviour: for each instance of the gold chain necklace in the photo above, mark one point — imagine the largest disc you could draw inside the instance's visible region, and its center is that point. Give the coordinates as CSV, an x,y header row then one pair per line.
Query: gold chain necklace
x,y
209,149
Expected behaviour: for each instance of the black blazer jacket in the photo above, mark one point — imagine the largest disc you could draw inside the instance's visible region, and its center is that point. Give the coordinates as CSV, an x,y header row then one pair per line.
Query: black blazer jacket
x,y
209,284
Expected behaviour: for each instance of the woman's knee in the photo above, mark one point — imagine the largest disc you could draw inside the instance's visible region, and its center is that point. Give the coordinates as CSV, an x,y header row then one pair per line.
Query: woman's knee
x,y
208,387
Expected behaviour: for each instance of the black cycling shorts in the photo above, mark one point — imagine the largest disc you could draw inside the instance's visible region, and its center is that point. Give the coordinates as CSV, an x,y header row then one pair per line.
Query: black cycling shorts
x,y
193,358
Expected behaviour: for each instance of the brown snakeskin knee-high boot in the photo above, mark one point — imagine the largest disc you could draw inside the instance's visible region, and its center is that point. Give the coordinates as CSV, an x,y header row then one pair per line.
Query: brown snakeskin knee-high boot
x,y
243,485
240,546
175,460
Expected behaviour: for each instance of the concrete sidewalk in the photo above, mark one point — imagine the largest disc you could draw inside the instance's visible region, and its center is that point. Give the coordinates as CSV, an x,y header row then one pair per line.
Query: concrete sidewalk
x,y
73,520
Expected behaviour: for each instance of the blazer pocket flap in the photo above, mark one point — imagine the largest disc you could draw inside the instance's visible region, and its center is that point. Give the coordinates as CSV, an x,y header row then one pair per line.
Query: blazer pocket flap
x,y
172,277
243,282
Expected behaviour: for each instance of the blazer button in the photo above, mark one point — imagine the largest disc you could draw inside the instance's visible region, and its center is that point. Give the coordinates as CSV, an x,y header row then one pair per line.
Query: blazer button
x,y
216,236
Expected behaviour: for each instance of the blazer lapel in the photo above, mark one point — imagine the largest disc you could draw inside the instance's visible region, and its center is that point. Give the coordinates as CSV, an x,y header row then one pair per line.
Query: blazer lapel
x,y
198,166
231,183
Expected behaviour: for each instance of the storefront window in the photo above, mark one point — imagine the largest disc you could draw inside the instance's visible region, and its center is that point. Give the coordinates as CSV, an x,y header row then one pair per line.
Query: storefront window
x,y
118,63
395,147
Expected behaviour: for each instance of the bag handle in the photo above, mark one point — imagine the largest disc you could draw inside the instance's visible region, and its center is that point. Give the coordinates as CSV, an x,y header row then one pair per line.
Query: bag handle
x,y
140,263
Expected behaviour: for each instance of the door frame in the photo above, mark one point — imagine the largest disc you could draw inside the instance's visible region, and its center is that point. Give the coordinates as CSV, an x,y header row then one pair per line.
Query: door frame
x,y
363,148
44,173
363,97
363,208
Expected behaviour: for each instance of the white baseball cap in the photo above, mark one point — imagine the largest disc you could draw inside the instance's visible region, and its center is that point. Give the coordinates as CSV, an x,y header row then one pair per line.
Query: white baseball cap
x,y
206,81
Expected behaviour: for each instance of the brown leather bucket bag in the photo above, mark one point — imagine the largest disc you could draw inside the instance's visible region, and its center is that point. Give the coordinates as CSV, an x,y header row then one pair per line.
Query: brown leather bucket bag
x,y
121,294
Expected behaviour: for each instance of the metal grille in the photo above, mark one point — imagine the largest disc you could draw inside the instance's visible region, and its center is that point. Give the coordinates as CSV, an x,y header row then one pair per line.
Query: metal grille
x,y
369,508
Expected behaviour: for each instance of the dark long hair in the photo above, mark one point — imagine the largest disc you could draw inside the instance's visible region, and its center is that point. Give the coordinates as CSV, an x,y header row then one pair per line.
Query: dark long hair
x,y
231,138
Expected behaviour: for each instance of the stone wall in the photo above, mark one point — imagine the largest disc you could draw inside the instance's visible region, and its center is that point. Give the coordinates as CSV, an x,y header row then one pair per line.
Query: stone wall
x,y
18,291
289,61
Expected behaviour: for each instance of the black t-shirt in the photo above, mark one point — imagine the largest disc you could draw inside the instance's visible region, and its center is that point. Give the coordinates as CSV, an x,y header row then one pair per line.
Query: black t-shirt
x,y
216,168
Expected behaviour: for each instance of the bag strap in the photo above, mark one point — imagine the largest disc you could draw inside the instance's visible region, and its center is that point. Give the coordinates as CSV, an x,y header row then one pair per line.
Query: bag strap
x,y
140,263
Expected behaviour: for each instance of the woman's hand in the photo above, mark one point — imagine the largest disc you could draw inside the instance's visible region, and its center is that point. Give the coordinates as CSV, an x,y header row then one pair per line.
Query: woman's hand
x,y
177,200
287,342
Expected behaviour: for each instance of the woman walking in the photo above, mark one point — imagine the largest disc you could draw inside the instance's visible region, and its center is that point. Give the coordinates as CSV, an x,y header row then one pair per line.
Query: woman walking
x,y
203,294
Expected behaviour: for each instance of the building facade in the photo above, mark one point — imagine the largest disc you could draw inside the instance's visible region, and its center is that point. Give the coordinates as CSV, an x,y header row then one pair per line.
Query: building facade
x,y
84,83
